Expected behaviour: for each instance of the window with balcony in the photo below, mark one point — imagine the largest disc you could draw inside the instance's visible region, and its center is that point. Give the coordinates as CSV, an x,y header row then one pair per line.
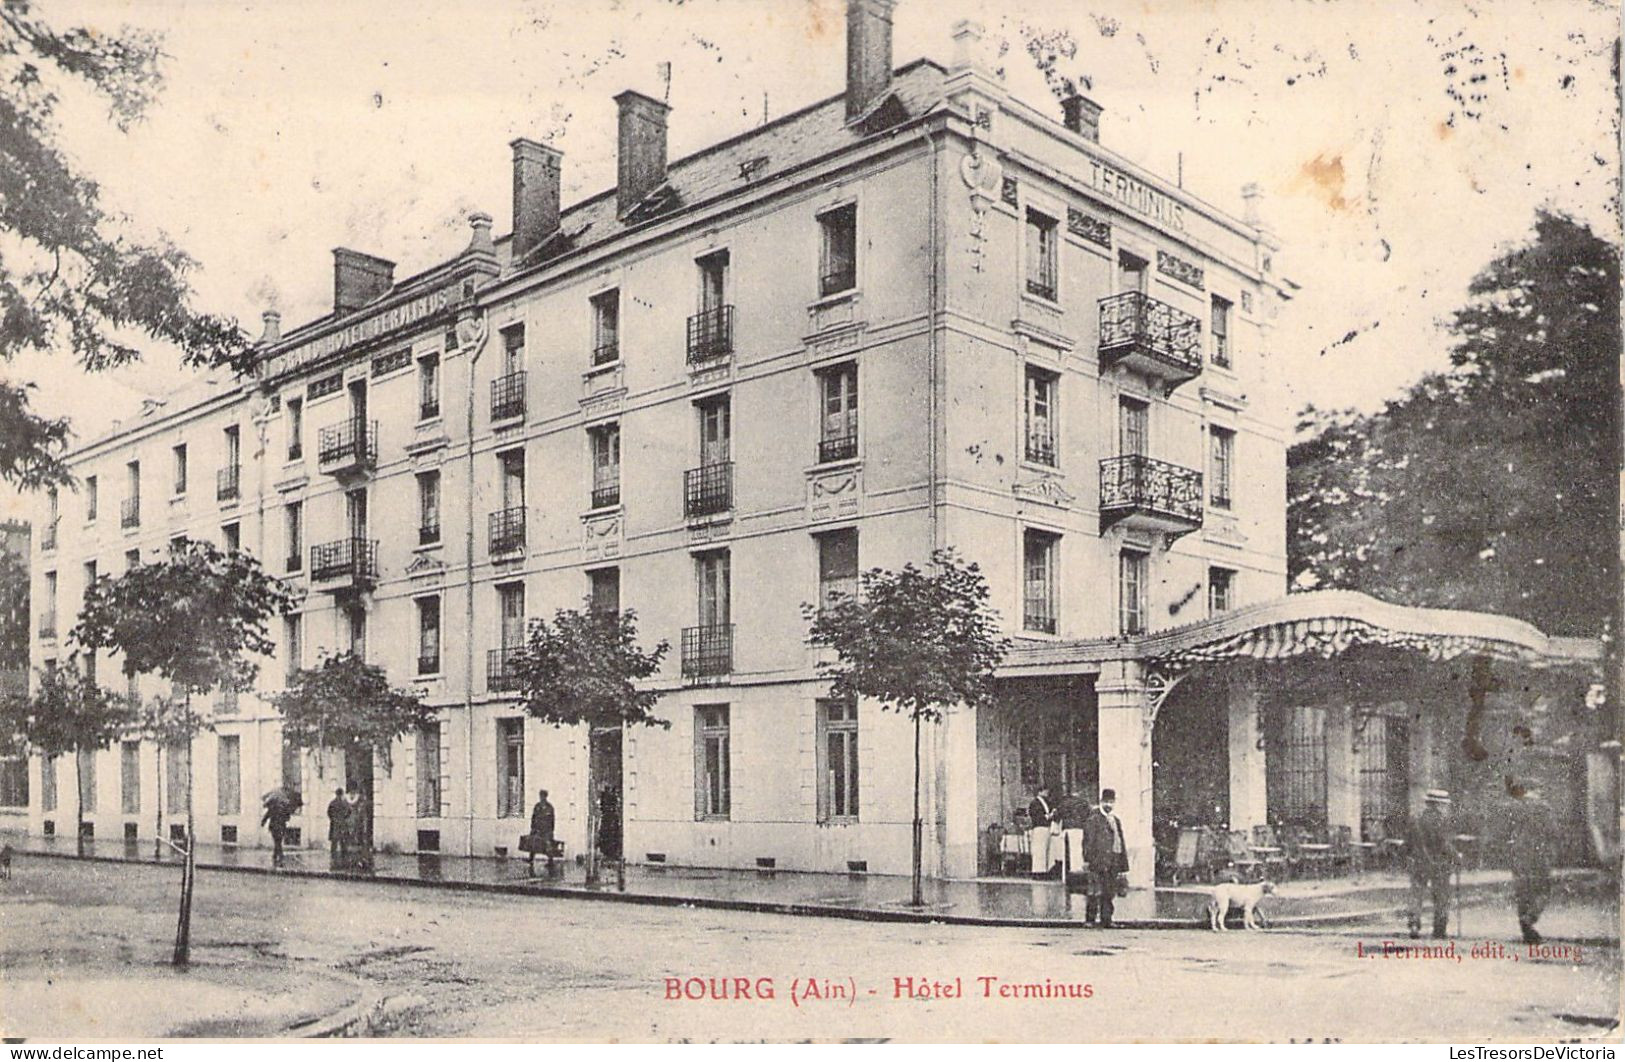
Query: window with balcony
x,y
1222,470
295,425
838,413
91,499
605,443
429,781
293,523
1043,236
350,445
837,566
707,647
511,768
710,330
1221,332
500,673
228,480
1131,272
513,348
837,761
606,327
708,490
1040,442
712,776
1221,590
507,524
428,507
1132,429
838,253
508,389
429,387
130,507
428,635
1039,551
1131,569
604,591
178,456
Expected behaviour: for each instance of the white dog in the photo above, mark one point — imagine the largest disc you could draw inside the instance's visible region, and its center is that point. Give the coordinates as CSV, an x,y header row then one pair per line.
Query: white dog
x,y
1228,895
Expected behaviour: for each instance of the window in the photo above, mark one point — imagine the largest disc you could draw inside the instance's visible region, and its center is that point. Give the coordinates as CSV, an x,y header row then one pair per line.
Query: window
x,y
53,517
838,254
711,773
511,606
90,499
428,635
1384,774
130,508
87,779
132,558
231,537
510,768
1131,272
513,478
606,327
429,387
1296,767
838,413
233,462
604,591
1038,581
513,349
428,508
13,782
707,647
428,771
293,520
1219,476
1131,427
1221,332
129,769
47,783
177,776
1042,234
713,573
355,512
293,644
713,275
296,427
229,773
47,619
1040,410
293,775
180,468
716,430
1131,592
837,761
355,628
710,330
605,443
837,566
1221,589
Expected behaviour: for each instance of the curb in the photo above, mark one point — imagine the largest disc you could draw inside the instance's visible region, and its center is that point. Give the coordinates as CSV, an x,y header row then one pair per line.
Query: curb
x,y
775,907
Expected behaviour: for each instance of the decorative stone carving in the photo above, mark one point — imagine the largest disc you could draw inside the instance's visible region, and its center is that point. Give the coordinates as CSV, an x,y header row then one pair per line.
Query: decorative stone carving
x,y
602,537
834,342
1046,490
1007,191
426,567
711,373
1096,230
1185,272
1246,302
709,530
823,316
836,495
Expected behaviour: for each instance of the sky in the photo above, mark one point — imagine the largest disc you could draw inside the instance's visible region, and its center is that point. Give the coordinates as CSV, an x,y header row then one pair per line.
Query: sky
x,y
1400,144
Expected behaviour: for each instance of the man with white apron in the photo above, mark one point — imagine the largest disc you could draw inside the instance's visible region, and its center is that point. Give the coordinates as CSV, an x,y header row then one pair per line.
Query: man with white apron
x,y
1042,813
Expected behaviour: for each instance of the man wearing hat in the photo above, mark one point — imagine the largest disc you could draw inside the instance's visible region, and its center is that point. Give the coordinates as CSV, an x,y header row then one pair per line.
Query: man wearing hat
x,y
1106,854
1530,853
1431,856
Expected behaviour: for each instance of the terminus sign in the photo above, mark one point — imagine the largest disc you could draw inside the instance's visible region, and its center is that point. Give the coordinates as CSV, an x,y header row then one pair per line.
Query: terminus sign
x,y
393,319
1135,194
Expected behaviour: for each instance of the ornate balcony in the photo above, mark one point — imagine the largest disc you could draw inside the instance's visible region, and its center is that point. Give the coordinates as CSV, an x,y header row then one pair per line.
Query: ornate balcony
x,y
348,564
711,334
606,495
351,446
1150,495
228,483
501,671
838,448
1150,337
508,397
507,532
708,652
709,489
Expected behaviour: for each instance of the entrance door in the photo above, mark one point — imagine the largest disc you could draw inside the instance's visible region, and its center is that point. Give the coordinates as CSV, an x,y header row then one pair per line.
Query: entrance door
x,y
606,773
358,776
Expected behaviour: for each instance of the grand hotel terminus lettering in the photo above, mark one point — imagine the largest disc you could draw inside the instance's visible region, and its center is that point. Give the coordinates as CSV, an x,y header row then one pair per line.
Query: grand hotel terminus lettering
x,y
390,320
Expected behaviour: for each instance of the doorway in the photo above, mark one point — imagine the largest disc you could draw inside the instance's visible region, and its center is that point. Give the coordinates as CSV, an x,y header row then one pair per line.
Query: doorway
x,y
358,775
606,775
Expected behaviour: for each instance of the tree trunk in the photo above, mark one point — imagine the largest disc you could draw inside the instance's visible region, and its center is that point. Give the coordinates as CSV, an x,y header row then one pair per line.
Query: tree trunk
x,y
183,927
79,802
919,824
158,799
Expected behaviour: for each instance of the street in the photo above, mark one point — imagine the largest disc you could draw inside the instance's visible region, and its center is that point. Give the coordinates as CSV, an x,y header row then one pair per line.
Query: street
x,y
83,947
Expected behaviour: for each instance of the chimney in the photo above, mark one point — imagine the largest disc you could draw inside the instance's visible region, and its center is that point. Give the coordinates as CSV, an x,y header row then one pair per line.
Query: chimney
x,y
359,278
641,166
868,53
273,326
1081,115
1251,196
535,195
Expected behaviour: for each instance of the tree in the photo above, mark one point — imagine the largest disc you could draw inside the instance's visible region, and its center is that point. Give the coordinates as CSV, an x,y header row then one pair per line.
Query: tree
x,y
68,712
1492,486
195,619
919,642
583,669
14,612
69,279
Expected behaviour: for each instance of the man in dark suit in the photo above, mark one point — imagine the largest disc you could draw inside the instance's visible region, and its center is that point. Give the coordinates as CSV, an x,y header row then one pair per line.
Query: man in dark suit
x,y
338,830
1043,815
541,832
1431,856
1106,853
1530,854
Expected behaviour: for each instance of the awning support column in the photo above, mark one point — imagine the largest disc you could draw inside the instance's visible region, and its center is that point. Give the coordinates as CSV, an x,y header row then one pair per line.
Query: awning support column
x,y
1249,776
1124,721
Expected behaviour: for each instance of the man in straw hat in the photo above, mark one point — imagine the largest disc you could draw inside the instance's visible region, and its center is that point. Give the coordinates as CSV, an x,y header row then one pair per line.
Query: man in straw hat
x,y
1431,856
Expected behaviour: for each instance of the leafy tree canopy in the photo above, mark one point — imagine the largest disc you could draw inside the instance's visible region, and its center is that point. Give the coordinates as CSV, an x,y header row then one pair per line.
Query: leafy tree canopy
x,y
916,640
584,666
69,280
14,612
196,618
345,702
66,712
1492,486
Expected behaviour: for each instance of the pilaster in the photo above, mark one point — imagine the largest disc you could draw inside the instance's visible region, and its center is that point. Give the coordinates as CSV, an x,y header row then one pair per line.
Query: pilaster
x,y
1123,714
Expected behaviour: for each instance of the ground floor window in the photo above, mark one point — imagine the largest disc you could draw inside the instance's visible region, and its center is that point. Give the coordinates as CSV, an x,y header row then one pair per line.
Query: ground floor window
x,y
428,772
510,768
229,774
14,782
47,783
1297,767
129,762
1058,749
712,776
87,780
178,771
837,760
1384,775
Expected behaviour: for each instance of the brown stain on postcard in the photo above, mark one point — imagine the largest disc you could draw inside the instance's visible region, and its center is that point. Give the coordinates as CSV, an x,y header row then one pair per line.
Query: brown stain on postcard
x,y
1326,179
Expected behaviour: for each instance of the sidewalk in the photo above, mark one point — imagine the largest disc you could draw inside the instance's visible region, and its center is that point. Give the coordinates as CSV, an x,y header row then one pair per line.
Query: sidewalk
x,y
875,897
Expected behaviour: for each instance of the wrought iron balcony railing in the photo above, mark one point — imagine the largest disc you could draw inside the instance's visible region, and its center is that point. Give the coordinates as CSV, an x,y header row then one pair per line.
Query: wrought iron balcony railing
x,y
507,531
1042,286
1138,484
1041,449
839,448
429,664
47,536
708,651
508,396
350,444
606,352
428,532
711,334
129,512
228,483
296,562
607,495
428,410
838,280
501,669
1164,340
351,559
47,628
709,489
1038,615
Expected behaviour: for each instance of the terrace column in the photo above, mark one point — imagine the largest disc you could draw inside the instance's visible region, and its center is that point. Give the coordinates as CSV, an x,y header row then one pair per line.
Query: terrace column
x,y
1249,776
1123,714
1342,769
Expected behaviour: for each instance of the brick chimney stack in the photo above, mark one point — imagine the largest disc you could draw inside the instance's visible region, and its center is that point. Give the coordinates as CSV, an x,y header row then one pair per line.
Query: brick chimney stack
x,y
273,326
641,164
1081,115
535,195
359,278
868,53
